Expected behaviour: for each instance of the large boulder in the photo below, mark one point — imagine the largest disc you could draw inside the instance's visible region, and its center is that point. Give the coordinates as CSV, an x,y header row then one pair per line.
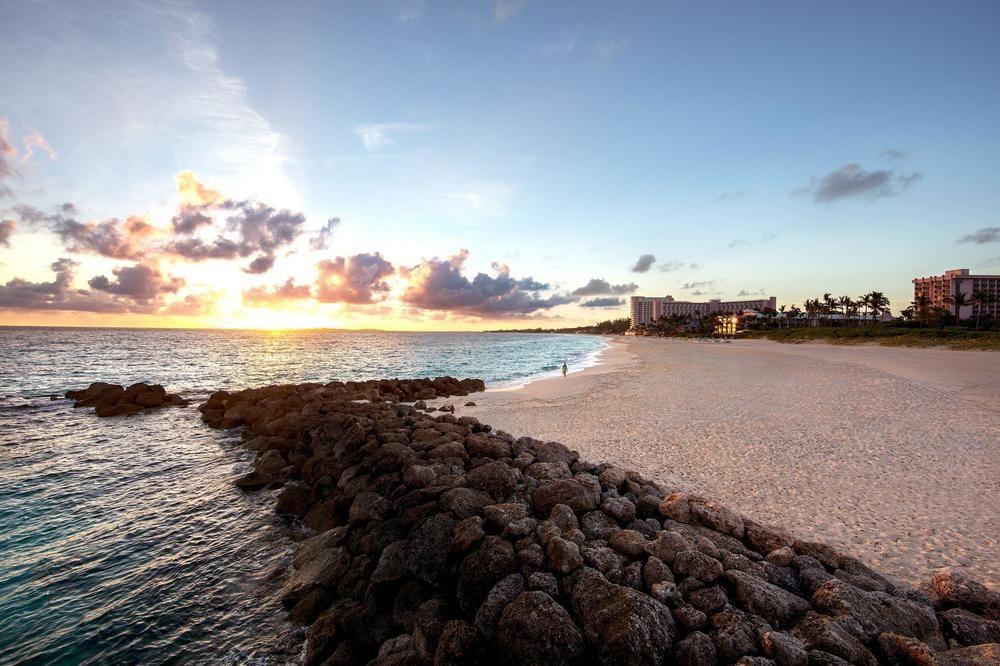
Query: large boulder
x,y
622,625
778,607
820,632
535,630
955,589
873,613
481,570
570,492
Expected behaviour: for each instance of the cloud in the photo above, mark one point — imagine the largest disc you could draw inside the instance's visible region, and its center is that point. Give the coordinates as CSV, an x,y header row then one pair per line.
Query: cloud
x,y
9,152
321,241
608,49
643,263
19,294
437,284
377,136
192,305
36,140
981,236
697,284
355,279
851,180
504,10
488,198
192,192
7,228
598,286
731,196
7,149
250,228
283,293
410,10
745,242
605,302
674,265
894,154
112,238
743,293
141,282
562,44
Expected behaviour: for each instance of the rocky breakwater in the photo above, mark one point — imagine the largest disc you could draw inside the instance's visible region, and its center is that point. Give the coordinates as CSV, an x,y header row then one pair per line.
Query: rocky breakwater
x,y
116,400
441,541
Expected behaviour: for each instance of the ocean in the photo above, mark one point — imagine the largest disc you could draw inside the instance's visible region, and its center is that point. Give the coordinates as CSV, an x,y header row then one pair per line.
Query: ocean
x,y
123,540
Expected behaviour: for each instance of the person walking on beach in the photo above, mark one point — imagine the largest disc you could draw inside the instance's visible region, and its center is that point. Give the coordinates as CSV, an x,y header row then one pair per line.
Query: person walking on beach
x,y
565,369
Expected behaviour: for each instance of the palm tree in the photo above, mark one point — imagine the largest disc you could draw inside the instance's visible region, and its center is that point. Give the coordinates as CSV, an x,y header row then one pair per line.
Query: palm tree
x,y
829,306
866,301
784,317
879,303
846,303
981,298
922,304
794,312
957,301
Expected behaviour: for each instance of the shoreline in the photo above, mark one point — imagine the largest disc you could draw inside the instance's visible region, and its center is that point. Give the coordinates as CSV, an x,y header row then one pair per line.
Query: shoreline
x,y
898,440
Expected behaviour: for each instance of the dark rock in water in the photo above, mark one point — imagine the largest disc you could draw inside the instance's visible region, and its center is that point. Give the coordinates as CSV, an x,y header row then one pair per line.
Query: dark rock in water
x,y
109,400
443,541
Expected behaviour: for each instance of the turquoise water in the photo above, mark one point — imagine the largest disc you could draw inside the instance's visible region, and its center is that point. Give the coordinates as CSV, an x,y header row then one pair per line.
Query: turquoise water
x,y
123,540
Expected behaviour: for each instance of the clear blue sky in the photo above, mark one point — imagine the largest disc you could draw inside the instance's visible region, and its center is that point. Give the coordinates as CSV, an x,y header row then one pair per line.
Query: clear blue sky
x,y
781,148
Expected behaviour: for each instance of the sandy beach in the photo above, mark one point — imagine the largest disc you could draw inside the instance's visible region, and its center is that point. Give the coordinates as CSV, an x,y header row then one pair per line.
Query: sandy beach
x,y
891,454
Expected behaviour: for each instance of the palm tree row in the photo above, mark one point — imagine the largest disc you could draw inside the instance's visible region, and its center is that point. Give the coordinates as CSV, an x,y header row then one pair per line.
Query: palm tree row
x,y
873,305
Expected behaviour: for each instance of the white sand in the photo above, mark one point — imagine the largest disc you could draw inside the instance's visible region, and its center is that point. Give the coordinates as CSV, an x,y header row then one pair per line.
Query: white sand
x,y
891,454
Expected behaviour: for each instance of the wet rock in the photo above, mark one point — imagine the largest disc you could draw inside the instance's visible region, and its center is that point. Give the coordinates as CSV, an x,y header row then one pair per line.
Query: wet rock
x,y
622,625
368,506
323,570
536,630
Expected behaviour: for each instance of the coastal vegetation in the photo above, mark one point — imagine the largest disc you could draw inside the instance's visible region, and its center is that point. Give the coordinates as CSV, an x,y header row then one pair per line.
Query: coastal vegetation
x,y
889,335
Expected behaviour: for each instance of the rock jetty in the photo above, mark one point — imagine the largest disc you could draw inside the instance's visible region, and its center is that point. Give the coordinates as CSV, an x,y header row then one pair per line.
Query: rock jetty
x,y
440,541
116,400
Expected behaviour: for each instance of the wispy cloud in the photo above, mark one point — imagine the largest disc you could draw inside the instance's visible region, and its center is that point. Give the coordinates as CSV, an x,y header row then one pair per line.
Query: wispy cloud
x,y
748,242
562,44
743,293
409,10
504,10
607,50
731,196
675,265
490,199
698,284
981,236
377,136
894,154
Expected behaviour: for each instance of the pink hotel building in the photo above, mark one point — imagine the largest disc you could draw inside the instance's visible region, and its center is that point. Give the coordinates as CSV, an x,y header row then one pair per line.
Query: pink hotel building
x,y
941,287
645,309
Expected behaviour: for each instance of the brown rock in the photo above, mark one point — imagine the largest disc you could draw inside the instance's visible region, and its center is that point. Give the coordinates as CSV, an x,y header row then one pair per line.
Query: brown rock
x,y
535,630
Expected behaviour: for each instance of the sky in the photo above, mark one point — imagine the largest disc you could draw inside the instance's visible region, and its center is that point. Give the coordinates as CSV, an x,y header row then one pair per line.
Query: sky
x,y
423,165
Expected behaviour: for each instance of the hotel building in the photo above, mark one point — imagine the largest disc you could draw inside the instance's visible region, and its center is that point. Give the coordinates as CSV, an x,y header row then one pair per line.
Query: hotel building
x,y
939,289
646,309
